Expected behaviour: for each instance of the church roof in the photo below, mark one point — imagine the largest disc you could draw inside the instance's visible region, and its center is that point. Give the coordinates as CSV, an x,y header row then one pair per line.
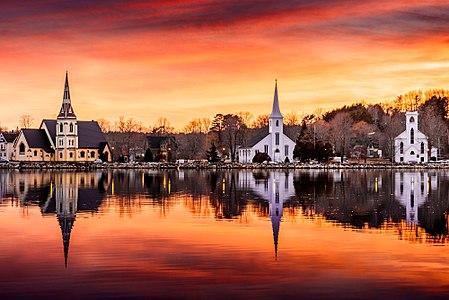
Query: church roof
x,y
260,133
66,110
276,112
37,138
89,133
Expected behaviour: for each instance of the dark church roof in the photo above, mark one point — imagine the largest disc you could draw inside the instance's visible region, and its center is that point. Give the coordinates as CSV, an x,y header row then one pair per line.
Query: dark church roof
x,y
37,138
261,133
89,133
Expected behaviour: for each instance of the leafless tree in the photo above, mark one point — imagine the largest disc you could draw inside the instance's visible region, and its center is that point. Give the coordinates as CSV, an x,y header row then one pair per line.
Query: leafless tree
x,y
25,121
433,125
261,121
104,124
292,119
393,125
3,128
163,126
341,126
246,117
233,133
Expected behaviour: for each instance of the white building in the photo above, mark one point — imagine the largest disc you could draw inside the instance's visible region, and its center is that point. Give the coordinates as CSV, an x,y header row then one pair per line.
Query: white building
x,y
274,142
7,145
411,146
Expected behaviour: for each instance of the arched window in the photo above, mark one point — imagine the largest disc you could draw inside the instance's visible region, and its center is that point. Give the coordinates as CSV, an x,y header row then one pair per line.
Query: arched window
x,y
422,148
71,127
277,123
92,154
61,127
22,148
401,148
83,154
35,152
412,136
412,120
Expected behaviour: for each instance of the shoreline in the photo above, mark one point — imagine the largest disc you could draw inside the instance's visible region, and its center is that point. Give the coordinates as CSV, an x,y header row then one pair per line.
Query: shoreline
x,y
219,166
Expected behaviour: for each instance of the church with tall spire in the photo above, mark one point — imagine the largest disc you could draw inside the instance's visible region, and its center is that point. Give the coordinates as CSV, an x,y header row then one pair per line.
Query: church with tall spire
x,y
65,139
276,143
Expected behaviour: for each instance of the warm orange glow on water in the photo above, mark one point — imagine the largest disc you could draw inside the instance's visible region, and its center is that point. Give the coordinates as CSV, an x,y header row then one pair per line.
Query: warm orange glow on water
x,y
180,245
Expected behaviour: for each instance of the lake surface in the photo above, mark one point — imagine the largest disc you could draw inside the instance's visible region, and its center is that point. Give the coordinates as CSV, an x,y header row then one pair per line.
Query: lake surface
x,y
224,235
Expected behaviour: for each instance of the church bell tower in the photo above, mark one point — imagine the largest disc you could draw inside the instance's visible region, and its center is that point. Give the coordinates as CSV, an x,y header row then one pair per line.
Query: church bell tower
x,y
276,127
66,128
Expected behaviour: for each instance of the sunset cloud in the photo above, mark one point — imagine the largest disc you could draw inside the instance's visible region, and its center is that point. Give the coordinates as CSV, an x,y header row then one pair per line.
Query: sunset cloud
x,y
187,59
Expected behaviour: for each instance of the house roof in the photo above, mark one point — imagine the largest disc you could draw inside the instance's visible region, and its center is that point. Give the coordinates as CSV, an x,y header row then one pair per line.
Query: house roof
x,y
37,138
155,142
9,137
89,133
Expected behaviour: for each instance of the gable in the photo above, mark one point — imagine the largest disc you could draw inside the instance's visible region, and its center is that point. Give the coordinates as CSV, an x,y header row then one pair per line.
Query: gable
x,y
37,138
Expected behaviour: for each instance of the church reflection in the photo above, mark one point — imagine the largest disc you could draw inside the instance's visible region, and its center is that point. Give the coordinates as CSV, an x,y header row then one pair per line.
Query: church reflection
x,y
62,194
275,187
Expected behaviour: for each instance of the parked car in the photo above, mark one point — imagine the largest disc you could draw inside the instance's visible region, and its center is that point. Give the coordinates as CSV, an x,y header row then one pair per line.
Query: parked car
x,y
3,161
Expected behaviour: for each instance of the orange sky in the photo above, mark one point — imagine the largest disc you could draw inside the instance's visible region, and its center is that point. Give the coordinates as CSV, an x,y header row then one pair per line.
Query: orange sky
x,y
196,58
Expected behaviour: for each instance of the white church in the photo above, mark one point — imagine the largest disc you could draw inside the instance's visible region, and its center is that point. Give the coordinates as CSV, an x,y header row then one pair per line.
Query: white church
x,y
412,146
274,142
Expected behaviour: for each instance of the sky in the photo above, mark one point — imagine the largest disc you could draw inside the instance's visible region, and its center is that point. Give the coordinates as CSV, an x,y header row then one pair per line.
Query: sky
x,y
195,58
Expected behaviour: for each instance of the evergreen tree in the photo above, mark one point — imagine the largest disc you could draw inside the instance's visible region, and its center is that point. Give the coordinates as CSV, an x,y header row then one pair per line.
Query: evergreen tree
x,y
212,154
148,155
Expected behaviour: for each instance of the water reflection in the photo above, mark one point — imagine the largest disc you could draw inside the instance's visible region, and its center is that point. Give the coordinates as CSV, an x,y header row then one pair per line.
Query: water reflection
x,y
412,205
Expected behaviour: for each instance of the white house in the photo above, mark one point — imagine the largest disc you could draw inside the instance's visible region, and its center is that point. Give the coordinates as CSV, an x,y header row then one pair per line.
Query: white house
x,y
411,146
6,145
274,142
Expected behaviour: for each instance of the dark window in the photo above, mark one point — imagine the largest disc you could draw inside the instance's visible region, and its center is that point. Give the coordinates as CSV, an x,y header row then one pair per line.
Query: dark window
x,y
412,136
22,148
60,155
412,120
92,154
266,148
35,152
277,123
71,154
286,150
71,127
401,148
277,138
82,154
61,127
422,148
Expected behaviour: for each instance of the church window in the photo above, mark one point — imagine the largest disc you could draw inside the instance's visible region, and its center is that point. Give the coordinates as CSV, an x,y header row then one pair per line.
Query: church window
x,y
22,149
61,142
412,120
276,199
422,148
277,123
286,150
401,148
277,138
61,127
265,148
412,136
83,154
402,159
35,152
412,152
92,154
71,154
71,127
60,155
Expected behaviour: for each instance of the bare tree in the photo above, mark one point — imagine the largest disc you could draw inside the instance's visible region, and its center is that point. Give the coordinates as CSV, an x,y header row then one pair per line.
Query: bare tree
x,y
233,133
433,125
393,125
198,125
341,128
163,127
25,121
3,128
246,117
128,128
292,119
104,124
261,121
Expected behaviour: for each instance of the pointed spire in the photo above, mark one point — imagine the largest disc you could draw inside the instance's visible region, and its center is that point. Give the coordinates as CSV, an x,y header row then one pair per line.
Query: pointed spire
x,y
66,224
275,223
66,108
276,112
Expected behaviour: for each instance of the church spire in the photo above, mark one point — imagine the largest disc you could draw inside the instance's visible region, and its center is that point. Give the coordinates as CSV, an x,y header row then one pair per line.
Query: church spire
x,y
276,112
66,108
275,223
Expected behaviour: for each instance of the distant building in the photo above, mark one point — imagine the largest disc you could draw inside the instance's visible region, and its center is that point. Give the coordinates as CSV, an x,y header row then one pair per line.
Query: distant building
x,y
7,144
275,142
411,146
163,147
63,140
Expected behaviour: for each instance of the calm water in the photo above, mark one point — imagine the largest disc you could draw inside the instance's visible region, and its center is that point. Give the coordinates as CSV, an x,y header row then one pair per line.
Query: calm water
x,y
224,235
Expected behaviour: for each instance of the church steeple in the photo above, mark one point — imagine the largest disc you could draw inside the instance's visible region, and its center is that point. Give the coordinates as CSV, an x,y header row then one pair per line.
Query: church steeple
x,y
66,108
276,112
